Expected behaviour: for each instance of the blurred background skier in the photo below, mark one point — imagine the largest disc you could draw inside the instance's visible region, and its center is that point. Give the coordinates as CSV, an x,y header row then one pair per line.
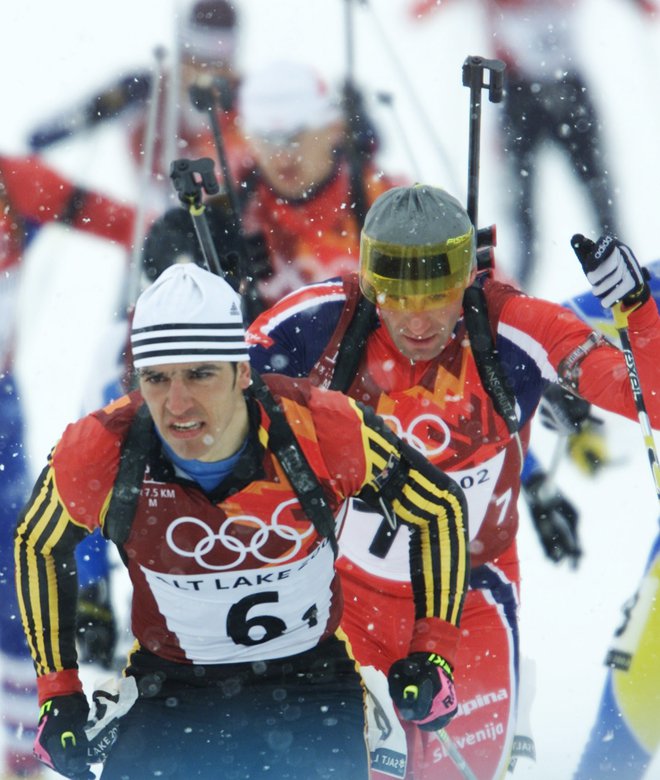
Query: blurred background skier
x,y
548,100
316,173
203,54
32,194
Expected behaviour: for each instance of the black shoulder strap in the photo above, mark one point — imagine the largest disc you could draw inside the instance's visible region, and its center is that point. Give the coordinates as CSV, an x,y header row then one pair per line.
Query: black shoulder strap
x,y
292,459
126,491
496,384
352,345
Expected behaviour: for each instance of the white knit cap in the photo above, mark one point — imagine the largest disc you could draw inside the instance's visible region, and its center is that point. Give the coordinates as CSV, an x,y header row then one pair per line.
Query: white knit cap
x,y
285,98
188,315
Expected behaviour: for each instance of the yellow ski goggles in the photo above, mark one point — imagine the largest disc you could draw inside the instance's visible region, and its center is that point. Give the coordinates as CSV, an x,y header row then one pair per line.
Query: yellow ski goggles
x,y
394,276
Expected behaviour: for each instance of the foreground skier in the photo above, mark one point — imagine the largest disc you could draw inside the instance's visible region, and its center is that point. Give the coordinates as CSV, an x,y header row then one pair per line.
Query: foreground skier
x,y
240,667
414,362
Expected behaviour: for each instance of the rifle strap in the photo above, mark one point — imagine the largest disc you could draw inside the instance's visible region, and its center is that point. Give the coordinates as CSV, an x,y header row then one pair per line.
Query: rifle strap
x,y
292,459
496,383
352,345
128,482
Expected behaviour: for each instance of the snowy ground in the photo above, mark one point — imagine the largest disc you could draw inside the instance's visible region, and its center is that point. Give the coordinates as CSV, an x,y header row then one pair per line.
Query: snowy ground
x,y
72,283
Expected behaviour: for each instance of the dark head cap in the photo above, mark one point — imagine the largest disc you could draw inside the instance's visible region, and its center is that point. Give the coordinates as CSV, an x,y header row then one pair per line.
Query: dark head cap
x,y
208,32
418,246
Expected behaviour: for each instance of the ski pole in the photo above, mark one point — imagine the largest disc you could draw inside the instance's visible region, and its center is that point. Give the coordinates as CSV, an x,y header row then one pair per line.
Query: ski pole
x,y
581,247
548,487
621,324
411,693
351,109
474,69
190,177
172,115
132,289
455,754
411,93
205,98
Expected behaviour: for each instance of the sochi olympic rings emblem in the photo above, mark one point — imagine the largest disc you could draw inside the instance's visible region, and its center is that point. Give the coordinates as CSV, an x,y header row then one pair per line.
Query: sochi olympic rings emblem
x,y
223,537
411,437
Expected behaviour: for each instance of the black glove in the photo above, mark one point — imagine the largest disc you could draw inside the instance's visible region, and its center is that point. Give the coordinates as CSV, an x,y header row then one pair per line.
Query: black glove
x,y
96,628
612,270
563,411
555,520
422,689
569,415
61,742
126,92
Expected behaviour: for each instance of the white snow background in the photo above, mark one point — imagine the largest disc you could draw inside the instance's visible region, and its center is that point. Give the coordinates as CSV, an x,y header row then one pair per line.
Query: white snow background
x,y
53,54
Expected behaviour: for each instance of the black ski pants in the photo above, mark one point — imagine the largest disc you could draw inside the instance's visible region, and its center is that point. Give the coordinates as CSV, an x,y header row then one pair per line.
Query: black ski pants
x,y
298,718
560,112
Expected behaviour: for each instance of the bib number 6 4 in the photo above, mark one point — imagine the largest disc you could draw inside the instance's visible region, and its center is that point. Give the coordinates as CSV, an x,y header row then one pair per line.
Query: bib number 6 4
x,y
244,630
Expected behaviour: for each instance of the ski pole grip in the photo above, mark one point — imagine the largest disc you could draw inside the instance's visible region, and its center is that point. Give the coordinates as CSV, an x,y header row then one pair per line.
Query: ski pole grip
x,y
190,177
473,76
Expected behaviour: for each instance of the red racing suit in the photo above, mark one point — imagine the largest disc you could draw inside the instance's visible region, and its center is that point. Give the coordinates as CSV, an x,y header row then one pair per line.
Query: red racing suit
x,y
194,140
209,569
311,238
33,194
442,409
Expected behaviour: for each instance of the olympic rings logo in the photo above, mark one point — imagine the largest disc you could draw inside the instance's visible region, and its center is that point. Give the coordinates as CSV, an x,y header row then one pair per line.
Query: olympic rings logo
x,y
410,436
223,537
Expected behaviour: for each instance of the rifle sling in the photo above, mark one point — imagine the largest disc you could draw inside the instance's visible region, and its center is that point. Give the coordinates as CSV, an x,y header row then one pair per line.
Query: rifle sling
x,y
128,481
352,345
292,459
490,369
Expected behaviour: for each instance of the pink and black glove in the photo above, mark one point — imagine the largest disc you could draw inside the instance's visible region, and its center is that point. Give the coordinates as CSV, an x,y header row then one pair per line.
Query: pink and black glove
x,y
612,270
61,742
422,689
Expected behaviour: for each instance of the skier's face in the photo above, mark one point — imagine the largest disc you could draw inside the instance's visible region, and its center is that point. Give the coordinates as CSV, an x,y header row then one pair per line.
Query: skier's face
x,y
195,72
198,408
422,333
295,164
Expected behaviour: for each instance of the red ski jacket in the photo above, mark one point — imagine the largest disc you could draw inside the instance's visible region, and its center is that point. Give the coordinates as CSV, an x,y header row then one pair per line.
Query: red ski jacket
x,y
239,574
441,406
